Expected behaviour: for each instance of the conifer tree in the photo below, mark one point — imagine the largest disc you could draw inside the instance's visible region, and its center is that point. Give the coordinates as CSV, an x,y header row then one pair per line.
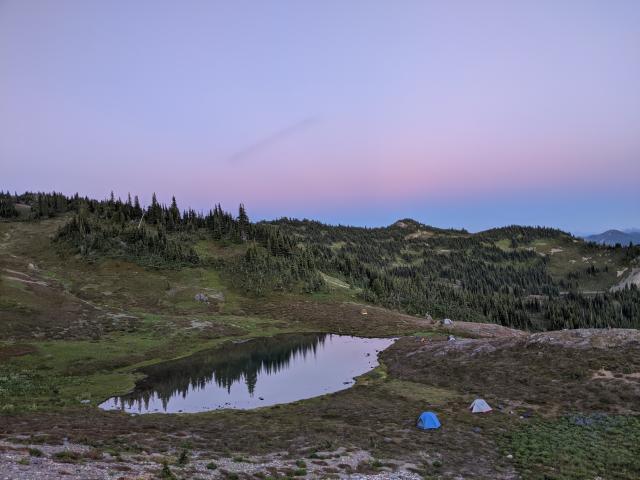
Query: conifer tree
x,y
174,213
243,223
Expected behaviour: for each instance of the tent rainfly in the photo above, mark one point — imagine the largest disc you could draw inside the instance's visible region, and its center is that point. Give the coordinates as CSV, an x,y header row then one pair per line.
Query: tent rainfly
x,y
479,406
428,421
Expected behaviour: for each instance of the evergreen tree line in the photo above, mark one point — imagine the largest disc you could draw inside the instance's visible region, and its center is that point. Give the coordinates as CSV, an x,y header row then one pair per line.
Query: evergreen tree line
x,y
40,205
260,271
163,236
148,246
7,206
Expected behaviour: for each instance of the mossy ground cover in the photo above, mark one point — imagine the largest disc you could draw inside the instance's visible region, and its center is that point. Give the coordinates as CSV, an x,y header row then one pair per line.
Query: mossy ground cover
x,y
577,447
548,378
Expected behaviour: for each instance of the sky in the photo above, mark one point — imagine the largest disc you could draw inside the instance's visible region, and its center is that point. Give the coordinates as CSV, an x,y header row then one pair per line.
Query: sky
x,y
456,113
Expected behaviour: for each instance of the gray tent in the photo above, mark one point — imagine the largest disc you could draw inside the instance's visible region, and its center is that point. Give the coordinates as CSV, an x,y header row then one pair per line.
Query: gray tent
x,y
479,406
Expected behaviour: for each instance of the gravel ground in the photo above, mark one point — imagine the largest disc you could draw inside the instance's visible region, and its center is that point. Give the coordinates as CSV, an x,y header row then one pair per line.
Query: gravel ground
x,y
45,462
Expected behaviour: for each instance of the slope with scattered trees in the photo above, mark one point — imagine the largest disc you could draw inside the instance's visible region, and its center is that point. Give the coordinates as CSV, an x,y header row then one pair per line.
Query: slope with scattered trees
x,y
514,276
495,276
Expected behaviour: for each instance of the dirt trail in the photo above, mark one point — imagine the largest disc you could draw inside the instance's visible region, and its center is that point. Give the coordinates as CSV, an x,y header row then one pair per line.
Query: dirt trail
x,y
632,279
24,280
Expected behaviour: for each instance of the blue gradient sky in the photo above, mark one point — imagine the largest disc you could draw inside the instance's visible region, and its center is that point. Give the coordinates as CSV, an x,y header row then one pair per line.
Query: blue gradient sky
x,y
457,113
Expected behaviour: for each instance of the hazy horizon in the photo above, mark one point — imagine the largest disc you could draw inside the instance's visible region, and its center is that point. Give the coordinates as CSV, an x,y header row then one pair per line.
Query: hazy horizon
x,y
457,114
146,200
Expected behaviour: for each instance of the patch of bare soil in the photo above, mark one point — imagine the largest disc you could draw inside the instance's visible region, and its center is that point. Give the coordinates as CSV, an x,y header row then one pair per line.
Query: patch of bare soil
x,y
420,234
16,350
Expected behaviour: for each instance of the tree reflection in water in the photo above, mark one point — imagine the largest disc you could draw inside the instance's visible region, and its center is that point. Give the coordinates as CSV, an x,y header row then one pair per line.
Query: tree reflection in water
x,y
229,364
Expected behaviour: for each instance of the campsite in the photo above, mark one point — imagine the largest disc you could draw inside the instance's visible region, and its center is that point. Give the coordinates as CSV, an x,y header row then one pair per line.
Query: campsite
x,y
319,240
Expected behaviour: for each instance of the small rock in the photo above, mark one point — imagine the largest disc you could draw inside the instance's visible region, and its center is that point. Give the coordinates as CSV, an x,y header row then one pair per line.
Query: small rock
x,y
201,297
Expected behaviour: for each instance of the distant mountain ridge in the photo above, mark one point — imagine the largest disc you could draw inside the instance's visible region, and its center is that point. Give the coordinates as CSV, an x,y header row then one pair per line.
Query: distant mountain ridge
x,y
613,237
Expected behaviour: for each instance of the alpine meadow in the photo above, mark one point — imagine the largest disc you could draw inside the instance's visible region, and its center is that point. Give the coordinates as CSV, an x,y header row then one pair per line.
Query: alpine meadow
x,y
96,292
302,239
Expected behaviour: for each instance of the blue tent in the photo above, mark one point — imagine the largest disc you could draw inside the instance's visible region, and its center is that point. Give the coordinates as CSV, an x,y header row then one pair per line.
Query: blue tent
x,y
428,421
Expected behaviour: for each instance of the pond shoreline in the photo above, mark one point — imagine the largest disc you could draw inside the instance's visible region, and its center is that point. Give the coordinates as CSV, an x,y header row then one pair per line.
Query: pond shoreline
x,y
275,370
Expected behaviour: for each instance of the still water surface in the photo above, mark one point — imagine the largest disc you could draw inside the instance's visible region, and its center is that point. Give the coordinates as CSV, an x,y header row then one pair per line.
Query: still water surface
x,y
256,373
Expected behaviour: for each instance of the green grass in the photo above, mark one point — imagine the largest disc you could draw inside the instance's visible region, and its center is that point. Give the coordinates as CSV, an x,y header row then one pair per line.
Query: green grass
x,y
417,392
504,244
209,250
333,282
166,473
20,388
67,456
35,452
67,372
567,257
577,448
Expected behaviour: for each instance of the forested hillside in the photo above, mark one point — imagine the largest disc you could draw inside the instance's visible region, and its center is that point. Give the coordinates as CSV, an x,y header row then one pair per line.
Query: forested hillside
x,y
526,277
164,237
